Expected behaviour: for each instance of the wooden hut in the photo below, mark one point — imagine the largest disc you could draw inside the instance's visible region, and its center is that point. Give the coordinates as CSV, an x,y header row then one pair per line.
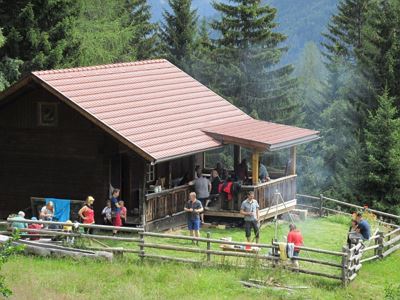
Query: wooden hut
x,y
77,132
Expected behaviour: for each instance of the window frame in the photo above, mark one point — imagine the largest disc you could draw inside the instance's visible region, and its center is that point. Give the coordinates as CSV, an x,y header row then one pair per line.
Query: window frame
x,y
40,106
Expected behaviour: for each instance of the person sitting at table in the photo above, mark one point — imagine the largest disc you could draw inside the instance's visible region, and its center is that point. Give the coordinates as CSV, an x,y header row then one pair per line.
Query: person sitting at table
x,y
263,172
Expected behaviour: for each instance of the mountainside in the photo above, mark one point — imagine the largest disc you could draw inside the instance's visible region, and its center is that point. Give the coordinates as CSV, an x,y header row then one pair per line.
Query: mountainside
x,y
300,20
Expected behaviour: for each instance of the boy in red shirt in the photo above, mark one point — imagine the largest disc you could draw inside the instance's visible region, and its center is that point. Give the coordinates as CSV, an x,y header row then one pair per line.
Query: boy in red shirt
x,y
296,238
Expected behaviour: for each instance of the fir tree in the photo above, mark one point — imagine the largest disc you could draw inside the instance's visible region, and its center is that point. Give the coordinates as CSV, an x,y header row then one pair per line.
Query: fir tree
x,y
37,32
382,154
178,32
345,31
145,39
248,51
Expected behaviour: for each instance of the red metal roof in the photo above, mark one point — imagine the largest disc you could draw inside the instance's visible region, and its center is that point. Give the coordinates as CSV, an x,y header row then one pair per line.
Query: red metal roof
x,y
155,108
262,135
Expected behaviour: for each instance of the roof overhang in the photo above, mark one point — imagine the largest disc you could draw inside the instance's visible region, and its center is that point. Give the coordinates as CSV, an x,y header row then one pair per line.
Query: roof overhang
x,y
262,136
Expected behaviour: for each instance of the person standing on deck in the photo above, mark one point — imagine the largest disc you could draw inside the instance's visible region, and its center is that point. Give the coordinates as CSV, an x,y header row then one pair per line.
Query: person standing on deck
x,y
115,210
87,214
202,187
193,208
263,173
295,237
250,210
242,173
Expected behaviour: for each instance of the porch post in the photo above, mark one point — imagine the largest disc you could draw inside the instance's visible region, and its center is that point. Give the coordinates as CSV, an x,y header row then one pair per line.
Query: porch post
x,y
236,157
255,159
293,160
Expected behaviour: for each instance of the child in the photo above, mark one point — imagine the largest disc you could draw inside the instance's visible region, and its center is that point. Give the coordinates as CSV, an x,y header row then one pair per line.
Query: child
x,y
123,212
106,213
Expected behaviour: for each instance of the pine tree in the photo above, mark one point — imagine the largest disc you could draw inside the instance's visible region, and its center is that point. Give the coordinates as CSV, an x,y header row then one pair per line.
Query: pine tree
x,y
9,68
37,32
312,76
345,31
380,61
382,154
102,33
178,33
145,39
248,51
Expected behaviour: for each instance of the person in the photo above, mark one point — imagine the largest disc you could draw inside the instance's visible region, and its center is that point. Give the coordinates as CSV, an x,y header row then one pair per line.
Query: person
x,y
197,171
34,226
69,229
242,171
250,210
352,232
115,210
47,212
263,173
295,237
193,209
363,227
87,214
106,213
19,225
202,187
123,212
215,182
221,171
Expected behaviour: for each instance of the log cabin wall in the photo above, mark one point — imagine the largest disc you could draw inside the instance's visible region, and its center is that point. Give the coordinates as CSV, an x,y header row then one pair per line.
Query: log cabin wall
x,y
70,160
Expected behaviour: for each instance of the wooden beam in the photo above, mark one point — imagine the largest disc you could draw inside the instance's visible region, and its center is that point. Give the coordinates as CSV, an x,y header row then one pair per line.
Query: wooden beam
x,y
255,160
293,151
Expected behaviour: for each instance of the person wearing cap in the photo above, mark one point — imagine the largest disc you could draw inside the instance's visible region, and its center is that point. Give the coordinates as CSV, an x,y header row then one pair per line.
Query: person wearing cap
x,y
36,227
19,225
87,214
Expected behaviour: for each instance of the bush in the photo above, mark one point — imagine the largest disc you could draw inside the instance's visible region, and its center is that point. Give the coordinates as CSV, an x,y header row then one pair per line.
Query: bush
x,y
6,250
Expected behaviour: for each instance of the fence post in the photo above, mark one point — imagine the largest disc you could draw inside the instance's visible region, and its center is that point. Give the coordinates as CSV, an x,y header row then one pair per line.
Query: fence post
x,y
379,240
321,200
208,247
141,245
345,263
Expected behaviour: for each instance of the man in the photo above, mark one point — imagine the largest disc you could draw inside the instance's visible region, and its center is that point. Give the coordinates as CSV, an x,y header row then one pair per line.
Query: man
x,y
251,212
363,227
263,173
202,187
47,212
193,208
295,238
115,210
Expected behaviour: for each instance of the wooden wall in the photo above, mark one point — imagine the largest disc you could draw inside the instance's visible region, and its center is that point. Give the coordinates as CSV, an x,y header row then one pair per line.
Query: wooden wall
x,y
70,160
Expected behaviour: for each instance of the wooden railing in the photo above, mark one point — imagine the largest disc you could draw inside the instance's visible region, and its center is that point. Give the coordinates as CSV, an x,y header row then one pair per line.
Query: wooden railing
x,y
167,202
264,192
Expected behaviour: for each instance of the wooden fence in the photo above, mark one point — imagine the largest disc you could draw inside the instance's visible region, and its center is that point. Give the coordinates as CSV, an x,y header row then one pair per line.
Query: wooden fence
x,y
341,265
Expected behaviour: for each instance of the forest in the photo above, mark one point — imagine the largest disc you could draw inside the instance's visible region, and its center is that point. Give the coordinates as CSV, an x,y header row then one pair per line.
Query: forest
x,y
346,87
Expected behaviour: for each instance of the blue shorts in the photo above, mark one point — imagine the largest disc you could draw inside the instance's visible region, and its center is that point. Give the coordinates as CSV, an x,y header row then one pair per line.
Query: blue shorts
x,y
194,224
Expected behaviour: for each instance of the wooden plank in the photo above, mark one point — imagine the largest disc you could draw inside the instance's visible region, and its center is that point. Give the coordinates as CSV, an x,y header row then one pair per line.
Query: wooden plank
x,y
397,230
369,258
352,277
392,241
163,257
391,250
314,273
335,253
293,151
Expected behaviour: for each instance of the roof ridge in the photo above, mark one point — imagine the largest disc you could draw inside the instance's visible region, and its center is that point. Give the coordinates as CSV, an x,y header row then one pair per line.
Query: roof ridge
x,y
99,67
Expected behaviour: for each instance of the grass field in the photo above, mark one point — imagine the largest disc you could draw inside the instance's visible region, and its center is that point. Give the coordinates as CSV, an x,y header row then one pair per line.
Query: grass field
x,y
129,278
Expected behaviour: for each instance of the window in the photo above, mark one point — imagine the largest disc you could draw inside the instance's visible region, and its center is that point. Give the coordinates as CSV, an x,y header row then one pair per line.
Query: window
x,y
48,114
151,173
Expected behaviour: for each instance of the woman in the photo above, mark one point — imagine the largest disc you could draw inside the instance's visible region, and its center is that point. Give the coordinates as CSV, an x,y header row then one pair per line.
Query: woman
x,y
87,214
215,181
